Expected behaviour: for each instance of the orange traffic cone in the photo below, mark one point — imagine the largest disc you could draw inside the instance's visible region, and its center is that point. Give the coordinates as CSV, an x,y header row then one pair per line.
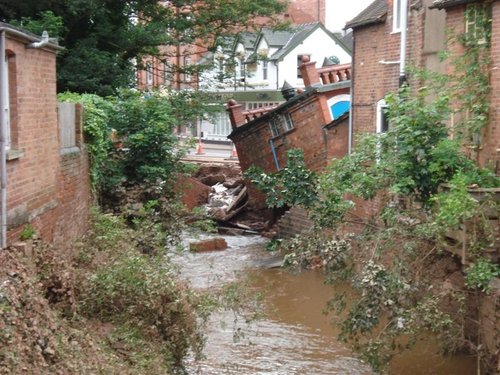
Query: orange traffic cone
x,y
199,147
234,154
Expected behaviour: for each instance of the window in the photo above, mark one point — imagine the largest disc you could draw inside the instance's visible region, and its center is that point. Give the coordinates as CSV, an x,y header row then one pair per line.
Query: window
x,y
6,96
149,74
66,118
187,72
265,67
220,68
339,105
167,74
478,22
222,124
255,105
382,118
288,121
241,70
275,126
397,15
299,63
280,123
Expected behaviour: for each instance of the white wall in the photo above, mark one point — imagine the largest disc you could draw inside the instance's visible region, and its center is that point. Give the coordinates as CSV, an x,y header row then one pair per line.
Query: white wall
x,y
319,45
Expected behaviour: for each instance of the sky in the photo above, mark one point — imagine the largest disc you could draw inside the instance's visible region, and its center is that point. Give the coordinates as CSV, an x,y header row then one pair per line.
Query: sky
x,y
338,12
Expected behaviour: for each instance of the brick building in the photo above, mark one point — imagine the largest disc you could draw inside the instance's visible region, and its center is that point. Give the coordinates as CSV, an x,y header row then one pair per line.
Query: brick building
x,y
457,19
314,119
44,159
376,55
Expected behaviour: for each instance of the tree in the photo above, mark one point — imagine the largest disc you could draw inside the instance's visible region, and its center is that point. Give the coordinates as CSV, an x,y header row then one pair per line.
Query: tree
x,y
105,38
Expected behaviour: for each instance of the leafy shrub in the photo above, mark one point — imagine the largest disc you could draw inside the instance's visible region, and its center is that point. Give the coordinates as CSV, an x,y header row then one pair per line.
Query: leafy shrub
x,y
481,273
135,290
293,185
131,136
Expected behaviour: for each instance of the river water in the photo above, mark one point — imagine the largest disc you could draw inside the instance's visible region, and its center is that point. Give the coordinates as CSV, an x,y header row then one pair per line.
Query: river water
x,y
294,336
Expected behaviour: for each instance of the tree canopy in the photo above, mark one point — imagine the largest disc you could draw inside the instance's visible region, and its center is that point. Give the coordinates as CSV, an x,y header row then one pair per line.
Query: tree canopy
x,y
104,39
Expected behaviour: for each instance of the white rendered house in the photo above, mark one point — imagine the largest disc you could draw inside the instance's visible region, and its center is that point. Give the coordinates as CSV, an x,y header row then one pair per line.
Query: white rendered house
x,y
254,67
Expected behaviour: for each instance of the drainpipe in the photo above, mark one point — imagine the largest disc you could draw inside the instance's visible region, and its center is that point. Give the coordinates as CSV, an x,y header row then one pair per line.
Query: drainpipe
x,y
351,92
3,146
277,75
275,157
404,26
42,43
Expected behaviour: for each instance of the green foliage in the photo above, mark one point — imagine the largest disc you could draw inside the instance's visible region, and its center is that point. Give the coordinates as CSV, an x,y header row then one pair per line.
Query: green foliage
x,y
471,85
102,38
480,273
293,185
131,137
422,182
274,244
456,205
96,133
138,292
45,21
27,233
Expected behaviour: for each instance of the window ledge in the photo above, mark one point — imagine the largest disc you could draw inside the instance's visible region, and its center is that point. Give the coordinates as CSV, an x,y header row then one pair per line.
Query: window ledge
x,y
13,154
69,150
281,135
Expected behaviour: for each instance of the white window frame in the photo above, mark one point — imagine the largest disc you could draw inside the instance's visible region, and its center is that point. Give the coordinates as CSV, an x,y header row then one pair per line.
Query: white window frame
x,y
336,99
287,120
149,74
6,109
397,7
381,106
187,73
265,70
470,23
274,125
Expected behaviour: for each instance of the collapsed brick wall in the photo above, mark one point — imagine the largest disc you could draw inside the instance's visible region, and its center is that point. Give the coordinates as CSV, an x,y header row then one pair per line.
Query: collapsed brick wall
x,y
44,188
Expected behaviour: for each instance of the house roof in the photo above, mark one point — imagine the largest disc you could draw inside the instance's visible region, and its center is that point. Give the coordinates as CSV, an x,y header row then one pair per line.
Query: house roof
x,y
27,36
372,14
247,39
300,34
348,40
441,4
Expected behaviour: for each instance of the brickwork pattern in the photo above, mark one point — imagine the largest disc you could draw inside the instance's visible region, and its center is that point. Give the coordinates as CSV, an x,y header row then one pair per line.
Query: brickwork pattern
x,y
48,190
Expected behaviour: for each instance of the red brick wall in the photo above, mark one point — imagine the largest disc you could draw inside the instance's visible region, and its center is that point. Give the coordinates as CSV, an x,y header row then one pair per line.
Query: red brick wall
x,y
309,117
45,189
337,138
372,80
304,11
489,154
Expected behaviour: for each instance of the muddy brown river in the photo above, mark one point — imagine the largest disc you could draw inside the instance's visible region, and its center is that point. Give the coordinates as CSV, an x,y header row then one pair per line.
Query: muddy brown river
x,y
293,336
